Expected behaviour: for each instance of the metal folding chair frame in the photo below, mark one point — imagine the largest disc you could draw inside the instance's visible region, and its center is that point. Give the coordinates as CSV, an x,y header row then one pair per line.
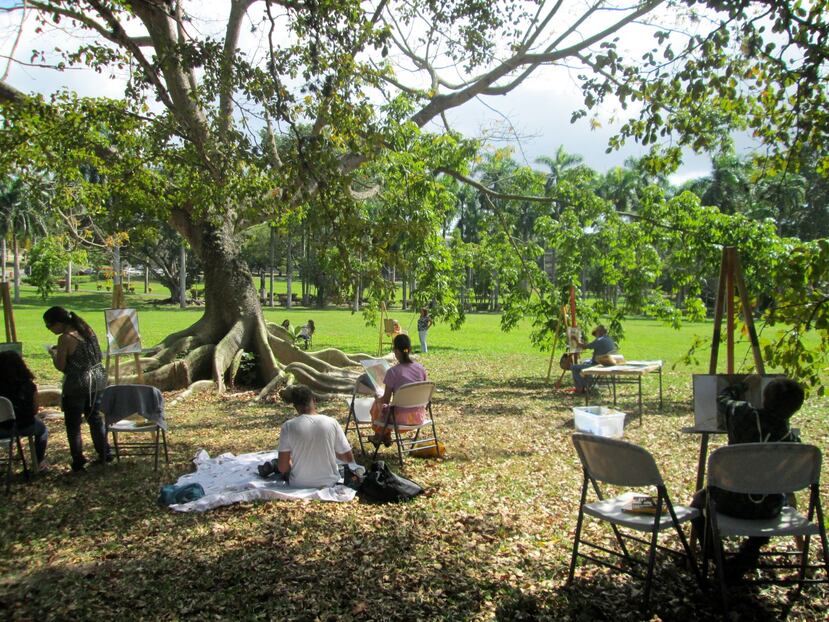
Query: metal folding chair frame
x,y
663,502
7,414
408,445
769,452
139,448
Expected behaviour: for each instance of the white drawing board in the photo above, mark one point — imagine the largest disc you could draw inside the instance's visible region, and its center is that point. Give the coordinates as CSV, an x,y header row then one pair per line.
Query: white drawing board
x,y
122,331
707,388
573,339
376,373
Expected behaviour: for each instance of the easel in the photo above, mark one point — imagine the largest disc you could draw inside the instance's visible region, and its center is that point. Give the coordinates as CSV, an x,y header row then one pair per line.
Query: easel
x,y
118,303
731,275
383,319
8,313
565,319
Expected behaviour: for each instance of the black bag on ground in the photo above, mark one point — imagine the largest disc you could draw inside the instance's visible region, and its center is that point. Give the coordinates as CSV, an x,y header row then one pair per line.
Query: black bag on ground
x,y
381,485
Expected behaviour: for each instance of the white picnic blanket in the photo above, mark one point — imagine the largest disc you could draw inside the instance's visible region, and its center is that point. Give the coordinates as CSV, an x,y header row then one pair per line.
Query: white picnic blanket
x,y
229,479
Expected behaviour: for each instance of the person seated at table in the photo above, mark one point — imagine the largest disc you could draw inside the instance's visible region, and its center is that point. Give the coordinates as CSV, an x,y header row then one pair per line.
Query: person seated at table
x,y
17,384
405,372
310,443
746,423
306,332
602,344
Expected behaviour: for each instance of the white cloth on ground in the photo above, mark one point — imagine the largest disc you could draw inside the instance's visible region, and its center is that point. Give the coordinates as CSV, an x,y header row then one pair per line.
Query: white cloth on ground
x,y
314,441
229,479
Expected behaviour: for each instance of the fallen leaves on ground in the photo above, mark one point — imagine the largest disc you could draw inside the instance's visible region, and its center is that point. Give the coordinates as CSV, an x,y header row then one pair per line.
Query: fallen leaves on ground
x,y
491,540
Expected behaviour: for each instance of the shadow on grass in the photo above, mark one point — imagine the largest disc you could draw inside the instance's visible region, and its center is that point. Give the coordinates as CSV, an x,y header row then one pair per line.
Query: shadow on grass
x,y
276,564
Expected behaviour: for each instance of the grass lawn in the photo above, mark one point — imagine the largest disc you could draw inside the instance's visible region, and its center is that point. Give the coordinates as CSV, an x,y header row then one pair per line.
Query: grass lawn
x,y
490,540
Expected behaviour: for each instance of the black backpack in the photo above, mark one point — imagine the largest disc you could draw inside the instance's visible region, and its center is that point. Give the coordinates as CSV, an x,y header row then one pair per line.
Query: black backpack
x,y
381,485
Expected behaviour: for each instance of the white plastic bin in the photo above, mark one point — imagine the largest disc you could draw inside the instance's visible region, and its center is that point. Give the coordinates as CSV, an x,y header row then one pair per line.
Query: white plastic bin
x,y
599,420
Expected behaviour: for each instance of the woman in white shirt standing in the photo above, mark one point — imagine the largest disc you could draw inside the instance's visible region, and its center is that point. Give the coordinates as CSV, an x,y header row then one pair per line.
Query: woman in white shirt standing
x,y
310,444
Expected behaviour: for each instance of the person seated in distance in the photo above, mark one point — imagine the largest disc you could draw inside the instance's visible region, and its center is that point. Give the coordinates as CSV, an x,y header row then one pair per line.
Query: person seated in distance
x,y
306,332
602,344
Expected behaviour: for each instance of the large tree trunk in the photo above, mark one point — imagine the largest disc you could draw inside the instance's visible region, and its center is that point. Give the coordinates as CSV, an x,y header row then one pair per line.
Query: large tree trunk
x,y
232,324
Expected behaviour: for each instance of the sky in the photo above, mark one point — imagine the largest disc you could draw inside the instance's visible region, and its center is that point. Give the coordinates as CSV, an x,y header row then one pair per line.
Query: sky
x,y
538,113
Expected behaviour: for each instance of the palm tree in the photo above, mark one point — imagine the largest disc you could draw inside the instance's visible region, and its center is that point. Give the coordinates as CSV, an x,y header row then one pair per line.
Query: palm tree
x,y
557,165
23,203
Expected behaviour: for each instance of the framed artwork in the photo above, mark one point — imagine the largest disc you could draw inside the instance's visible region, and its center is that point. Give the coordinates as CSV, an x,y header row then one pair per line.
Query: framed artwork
x,y
122,331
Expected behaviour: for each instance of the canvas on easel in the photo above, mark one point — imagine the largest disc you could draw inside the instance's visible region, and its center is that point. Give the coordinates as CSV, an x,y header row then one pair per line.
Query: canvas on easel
x,y
122,331
567,318
123,338
574,339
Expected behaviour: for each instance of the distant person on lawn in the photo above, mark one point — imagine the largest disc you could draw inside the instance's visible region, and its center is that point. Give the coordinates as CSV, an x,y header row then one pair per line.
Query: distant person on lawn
x,y
601,344
424,322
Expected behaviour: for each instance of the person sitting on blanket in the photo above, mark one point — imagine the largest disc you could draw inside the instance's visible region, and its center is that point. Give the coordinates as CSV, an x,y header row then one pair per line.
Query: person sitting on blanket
x,y
602,344
405,372
309,444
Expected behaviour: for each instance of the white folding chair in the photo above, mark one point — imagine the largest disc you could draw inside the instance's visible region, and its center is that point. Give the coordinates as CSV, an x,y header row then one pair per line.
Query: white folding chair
x,y
359,414
407,437
7,414
618,463
766,469
125,414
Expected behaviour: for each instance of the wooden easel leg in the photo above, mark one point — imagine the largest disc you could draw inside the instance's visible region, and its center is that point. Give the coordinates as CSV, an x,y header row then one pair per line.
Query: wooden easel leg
x,y
139,372
748,316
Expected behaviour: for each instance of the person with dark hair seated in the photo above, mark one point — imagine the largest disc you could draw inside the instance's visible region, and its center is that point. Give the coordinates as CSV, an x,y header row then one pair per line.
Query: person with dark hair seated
x,y
310,443
306,333
17,384
746,423
405,372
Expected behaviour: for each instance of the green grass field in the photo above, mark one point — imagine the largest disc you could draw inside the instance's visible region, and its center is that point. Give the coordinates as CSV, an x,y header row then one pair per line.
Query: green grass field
x,y
490,540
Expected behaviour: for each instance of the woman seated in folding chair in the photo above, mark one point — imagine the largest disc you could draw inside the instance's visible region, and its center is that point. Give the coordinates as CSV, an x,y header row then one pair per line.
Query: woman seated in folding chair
x,y
17,384
405,372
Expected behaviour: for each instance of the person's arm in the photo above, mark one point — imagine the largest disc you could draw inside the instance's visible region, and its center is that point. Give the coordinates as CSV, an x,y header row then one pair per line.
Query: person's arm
x,y
347,457
62,351
284,463
734,411
341,447
730,394
386,397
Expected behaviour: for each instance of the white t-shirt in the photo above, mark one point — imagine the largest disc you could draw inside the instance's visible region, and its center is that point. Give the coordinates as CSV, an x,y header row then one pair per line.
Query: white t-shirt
x,y
314,441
